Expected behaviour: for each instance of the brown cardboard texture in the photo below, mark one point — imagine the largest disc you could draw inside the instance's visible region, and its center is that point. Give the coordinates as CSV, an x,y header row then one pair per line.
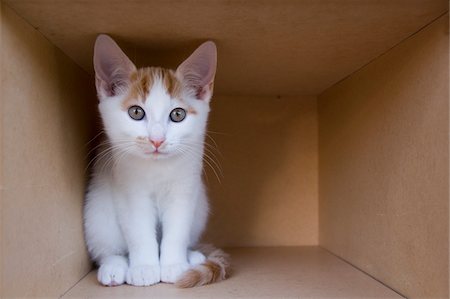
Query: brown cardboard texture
x,y
265,48
331,118
384,166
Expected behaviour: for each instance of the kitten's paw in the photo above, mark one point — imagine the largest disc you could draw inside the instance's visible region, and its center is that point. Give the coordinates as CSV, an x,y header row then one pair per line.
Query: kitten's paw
x,y
170,273
144,275
196,258
112,274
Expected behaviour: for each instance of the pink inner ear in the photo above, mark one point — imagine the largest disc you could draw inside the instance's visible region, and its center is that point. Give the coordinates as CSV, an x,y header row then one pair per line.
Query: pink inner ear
x,y
112,66
199,69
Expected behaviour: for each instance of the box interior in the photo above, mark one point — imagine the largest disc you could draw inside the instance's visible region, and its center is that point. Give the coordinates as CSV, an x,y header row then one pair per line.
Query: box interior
x,y
330,128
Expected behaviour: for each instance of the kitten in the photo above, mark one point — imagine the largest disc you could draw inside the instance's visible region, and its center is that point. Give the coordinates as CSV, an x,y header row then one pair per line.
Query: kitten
x,y
146,205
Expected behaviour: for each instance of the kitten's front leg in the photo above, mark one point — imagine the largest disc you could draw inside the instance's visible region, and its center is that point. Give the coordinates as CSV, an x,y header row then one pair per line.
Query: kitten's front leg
x,y
137,216
176,221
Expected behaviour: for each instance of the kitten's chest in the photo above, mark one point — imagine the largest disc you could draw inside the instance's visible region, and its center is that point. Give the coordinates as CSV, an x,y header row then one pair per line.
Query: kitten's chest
x,y
153,179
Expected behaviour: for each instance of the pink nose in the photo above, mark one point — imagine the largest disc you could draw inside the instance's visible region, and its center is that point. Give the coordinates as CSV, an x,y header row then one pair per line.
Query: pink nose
x,y
156,143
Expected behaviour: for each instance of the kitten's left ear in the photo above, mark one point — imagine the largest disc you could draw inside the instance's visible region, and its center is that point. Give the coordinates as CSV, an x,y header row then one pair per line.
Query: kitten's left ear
x,y
199,69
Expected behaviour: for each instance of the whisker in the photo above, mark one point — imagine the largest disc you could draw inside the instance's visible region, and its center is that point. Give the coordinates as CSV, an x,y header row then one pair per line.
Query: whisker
x,y
190,154
208,146
214,141
218,133
208,150
106,152
205,158
121,154
93,138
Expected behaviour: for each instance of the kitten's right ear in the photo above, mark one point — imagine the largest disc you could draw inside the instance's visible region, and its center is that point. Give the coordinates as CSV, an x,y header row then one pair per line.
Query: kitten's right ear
x,y
112,67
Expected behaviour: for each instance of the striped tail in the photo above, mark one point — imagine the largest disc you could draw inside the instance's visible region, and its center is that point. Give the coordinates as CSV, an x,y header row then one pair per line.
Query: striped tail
x,y
215,268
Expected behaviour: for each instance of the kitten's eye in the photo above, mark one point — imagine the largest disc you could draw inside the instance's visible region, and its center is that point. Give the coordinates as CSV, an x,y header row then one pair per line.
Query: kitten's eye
x,y
177,114
136,112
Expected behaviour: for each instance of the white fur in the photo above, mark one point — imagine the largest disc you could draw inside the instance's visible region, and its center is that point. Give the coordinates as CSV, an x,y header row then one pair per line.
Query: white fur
x,y
134,191
128,197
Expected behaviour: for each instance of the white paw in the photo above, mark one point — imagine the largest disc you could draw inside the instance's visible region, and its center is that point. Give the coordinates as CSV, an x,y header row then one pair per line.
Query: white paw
x,y
144,275
170,273
112,274
196,258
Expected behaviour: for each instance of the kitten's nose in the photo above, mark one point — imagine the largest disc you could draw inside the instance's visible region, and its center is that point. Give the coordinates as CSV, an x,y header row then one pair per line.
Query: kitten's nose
x,y
157,143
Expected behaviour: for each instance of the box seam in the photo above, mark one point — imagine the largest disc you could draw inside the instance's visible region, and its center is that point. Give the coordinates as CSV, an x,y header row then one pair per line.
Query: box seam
x,y
385,52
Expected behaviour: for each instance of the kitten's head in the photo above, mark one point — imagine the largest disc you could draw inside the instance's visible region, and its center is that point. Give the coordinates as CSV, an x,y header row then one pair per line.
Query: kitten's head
x,y
154,112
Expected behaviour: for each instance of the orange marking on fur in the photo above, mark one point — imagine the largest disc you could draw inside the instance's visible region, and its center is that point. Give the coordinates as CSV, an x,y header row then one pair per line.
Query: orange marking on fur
x,y
190,279
214,268
192,110
141,139
206,273
142,81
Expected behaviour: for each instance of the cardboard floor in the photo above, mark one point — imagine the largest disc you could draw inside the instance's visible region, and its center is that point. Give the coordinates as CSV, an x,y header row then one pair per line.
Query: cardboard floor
x,y
271,272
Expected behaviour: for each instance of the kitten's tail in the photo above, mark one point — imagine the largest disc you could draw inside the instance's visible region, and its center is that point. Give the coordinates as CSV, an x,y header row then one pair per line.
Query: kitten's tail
x,y
215,268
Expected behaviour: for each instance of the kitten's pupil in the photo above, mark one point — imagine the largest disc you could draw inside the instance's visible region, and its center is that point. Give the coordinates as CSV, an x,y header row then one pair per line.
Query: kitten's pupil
x,y
136,112
177,114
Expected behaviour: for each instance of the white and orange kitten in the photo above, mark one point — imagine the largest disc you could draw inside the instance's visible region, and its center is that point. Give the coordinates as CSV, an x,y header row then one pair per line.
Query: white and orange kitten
x,y
146,205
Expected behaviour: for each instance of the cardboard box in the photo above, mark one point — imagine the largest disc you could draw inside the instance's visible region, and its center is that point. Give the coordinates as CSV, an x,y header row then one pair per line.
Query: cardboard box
x,y
332,122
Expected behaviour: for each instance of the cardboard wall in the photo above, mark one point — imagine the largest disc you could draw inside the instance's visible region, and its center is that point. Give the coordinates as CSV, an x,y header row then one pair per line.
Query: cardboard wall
x,y
266,47
268,155
1,149
383,164
268,195
45,126
383,148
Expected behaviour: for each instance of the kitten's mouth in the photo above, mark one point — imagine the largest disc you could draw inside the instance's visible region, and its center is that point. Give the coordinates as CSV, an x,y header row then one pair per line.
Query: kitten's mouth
x,y
155,153
152,152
